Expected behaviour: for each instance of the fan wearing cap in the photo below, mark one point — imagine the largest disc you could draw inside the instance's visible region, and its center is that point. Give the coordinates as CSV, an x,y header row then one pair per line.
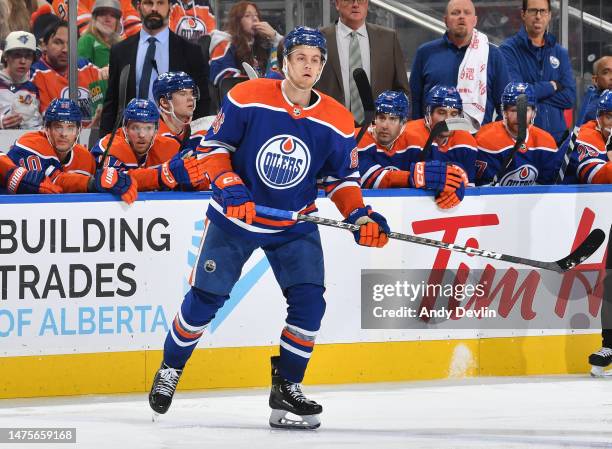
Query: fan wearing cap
x,y
55,152
536,161
104,31
391,150
19,99
150,158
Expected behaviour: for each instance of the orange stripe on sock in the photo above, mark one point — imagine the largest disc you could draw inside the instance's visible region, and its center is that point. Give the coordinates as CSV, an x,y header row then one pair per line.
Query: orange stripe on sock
x,y
297,340
184,334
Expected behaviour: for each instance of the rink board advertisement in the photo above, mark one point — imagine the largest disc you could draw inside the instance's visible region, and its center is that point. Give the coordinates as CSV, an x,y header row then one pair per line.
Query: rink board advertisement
x,y
84,274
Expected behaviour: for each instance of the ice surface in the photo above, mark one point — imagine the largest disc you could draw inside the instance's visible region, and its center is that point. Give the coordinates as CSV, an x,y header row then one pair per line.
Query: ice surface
x,y
506,413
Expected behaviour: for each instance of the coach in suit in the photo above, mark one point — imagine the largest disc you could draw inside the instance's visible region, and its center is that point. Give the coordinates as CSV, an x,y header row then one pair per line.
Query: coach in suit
x,y
154,50
352,43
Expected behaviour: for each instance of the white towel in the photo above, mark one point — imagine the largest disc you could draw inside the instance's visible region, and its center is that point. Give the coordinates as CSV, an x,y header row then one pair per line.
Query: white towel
x,y
472,78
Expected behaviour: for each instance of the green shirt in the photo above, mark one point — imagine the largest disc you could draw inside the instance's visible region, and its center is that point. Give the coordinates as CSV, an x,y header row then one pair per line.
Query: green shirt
x,y
96,52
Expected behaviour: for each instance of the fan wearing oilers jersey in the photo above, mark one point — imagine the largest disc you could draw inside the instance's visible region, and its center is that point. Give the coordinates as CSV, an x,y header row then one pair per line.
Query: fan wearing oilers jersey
x,y
391,152
536,161
590,161
272,144
153,161
54,152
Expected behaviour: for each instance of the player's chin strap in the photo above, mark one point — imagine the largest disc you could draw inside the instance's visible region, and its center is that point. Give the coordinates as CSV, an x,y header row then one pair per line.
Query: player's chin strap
x,y
76,139
288,78
175,121
505,122
429,127
602,129
390,145
127,138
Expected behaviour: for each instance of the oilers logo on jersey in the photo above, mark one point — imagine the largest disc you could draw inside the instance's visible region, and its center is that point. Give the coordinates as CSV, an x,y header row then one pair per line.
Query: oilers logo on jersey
x,y
191,28
525,175
283,161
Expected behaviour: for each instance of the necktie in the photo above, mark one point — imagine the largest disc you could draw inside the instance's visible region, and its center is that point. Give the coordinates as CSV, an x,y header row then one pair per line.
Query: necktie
x,y
354,63
145,77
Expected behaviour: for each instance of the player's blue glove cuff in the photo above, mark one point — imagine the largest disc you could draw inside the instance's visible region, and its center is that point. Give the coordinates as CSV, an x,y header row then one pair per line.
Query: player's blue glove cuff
x,y
373,227
111,180
229,190
20,180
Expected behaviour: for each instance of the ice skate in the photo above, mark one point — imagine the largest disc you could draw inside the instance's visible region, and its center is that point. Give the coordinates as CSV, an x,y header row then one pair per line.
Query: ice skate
x,y
287,398
600,360
163,388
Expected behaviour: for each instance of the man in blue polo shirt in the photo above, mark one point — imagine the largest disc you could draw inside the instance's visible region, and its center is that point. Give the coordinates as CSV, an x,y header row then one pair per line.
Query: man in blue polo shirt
x,y
462,58
533,56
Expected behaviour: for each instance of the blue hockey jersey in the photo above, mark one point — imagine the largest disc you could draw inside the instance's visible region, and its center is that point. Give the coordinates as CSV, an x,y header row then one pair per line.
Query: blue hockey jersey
x,y
282,152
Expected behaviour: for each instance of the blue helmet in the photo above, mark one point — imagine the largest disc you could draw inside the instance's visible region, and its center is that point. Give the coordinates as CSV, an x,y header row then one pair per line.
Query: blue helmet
x,y
393,103
170,82
305,36
140,110
604,104
445,96
63,110
513,90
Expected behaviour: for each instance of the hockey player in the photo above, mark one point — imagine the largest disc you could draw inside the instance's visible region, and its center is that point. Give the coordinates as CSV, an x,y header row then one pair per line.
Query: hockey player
x,y
152,160
272,143
55,152
538,159
390,152
176,95
590,161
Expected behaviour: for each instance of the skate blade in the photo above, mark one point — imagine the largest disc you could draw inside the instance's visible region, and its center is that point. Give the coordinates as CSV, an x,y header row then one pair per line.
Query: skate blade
x,y
155,417
280,420
599,371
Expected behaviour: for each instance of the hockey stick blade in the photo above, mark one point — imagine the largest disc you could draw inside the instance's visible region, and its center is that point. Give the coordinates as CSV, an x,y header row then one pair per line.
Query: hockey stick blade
x,y
250,71
450,124
367,100
123,81
579,255
521,113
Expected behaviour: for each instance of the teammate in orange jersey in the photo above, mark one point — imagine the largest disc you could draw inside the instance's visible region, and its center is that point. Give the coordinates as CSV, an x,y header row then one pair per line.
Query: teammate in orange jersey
x,y
391,150
151,159
536,162
55,152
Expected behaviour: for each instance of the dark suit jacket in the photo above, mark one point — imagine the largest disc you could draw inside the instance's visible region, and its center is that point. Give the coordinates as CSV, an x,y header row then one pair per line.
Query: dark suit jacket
x,y
184,56
387,69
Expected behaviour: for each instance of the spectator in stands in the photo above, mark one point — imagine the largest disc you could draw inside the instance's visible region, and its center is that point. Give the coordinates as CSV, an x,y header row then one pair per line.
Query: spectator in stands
x,y
536,162
55,152
590,161
130,21
152,159
18,17
348,45
602,80
192,19
250,40
102,33
391,151
457,59
51,74
533,56
151,52
19,102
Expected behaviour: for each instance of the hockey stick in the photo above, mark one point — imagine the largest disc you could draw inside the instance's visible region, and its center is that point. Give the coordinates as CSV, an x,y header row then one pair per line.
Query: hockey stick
x,y
250,71
123,80
521,112
592,242
450,124
568,154
367,100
